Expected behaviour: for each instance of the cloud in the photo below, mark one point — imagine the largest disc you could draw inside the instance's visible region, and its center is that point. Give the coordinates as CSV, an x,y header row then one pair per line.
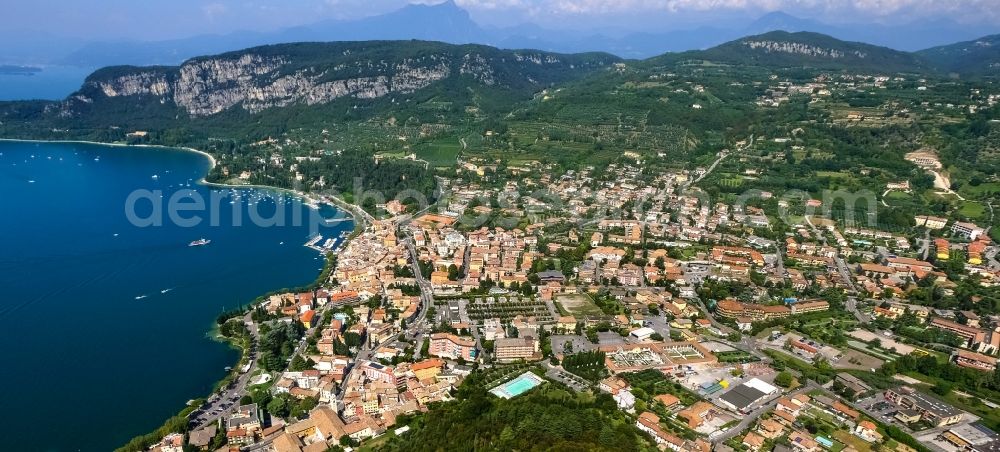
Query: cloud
x,y
213,10
844,9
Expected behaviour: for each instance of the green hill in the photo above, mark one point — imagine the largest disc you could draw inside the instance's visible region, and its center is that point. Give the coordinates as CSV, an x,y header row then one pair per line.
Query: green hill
x,y
780,49
304,82
973,58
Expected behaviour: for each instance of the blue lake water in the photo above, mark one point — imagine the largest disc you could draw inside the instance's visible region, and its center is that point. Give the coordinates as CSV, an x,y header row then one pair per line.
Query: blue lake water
x,y
87,365
52,83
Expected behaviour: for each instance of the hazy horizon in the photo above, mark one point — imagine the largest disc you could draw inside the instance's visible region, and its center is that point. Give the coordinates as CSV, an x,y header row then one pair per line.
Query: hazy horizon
x,y
104,20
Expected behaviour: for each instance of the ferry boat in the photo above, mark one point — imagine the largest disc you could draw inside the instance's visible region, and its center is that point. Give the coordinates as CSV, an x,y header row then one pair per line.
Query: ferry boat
x,y
200,242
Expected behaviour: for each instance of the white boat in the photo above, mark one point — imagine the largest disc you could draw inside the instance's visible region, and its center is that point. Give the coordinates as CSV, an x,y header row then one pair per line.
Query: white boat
x,y
140,297
200,242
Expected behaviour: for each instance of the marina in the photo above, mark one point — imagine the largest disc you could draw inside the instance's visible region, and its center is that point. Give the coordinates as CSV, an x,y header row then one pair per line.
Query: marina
x,y
329,245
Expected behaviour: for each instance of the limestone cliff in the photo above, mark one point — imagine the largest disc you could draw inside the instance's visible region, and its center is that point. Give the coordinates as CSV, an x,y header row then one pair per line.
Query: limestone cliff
x,y
277,76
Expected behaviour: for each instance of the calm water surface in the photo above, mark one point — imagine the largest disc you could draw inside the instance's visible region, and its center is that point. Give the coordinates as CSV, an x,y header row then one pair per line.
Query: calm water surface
x,y
104,324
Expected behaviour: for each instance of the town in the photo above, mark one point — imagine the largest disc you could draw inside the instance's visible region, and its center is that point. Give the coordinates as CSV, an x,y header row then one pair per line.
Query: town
x,y
712,325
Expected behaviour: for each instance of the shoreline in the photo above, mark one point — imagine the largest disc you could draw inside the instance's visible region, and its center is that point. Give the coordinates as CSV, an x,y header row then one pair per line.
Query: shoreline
x,y
355,213
211,159
332,201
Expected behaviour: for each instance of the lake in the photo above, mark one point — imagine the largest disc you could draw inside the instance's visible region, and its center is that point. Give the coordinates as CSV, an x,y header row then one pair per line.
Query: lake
x,y
106,321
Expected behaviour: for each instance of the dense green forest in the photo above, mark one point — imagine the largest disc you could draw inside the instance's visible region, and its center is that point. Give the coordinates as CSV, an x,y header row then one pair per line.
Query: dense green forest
x,y
547,418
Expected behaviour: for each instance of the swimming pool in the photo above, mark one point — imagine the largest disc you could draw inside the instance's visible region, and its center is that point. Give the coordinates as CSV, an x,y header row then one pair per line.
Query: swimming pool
x,y
519,385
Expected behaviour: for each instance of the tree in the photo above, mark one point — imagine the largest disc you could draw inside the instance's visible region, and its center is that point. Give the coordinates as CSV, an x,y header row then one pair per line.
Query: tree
x,y
278,406
783,379
507,435
942,387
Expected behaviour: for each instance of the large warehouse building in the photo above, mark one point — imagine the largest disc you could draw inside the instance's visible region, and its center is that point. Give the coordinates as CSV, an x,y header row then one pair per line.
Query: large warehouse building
x,y
744,397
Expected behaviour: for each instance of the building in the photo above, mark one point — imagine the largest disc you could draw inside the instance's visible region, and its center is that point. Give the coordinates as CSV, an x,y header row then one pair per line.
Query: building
x,y
516,348
650,423
308,318
566,324
853,383
243,424
868,431
663,356
974,360
428,368
802,442
929,409
758,313
551,276
642,334
967,230
930,222
322,428
942,248
743,397
972,437
202,438
619,390
970,334
753,441
447,345
697,414
668,400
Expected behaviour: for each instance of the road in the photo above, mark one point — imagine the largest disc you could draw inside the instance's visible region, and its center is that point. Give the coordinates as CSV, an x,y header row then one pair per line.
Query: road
x,y
756,413
852,299
991,257
220,404
426,290
722,155
415,328
925,244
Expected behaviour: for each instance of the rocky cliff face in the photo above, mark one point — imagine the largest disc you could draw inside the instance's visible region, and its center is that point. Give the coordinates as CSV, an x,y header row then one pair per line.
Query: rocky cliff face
x,y
796,48
256,81
135,84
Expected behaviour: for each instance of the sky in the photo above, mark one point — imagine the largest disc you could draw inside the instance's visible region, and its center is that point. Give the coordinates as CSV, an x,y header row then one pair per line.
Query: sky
x,y
164,19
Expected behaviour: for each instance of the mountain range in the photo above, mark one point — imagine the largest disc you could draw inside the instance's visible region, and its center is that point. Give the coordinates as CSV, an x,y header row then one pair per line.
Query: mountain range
x,y
350,80
446,22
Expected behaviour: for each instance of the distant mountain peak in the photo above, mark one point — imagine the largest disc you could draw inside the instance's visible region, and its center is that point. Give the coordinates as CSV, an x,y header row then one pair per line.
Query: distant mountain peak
x,y
448,7
776,15
782,49
780,20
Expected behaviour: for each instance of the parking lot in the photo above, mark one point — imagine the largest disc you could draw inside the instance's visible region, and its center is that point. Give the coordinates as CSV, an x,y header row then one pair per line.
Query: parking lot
x,y
876,406
579,343
576,383
610,338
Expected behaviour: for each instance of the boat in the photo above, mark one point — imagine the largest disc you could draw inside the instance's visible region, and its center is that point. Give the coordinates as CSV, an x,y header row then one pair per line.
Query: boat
x,y
165,290
200,242
140,297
